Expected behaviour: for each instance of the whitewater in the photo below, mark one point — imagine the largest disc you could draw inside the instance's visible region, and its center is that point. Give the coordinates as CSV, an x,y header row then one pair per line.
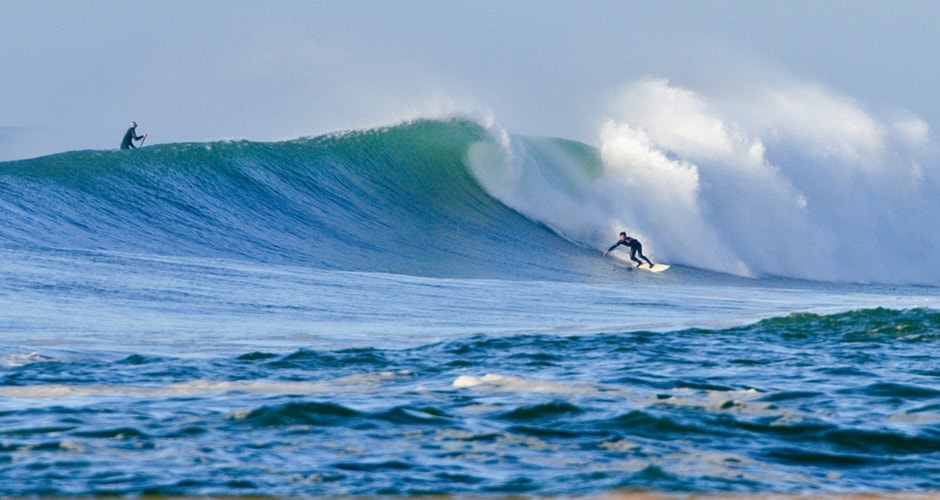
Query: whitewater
x,y
424,308
812,188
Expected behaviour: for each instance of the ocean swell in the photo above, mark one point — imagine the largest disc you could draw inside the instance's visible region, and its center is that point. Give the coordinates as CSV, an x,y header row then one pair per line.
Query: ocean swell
x,y
701,185
397,199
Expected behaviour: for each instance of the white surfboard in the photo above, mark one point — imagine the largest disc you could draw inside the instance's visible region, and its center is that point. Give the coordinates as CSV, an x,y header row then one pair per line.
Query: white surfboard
x,y
657,268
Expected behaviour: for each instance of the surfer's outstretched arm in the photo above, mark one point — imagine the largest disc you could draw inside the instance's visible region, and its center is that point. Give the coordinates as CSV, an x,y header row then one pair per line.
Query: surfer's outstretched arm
x,y
615,245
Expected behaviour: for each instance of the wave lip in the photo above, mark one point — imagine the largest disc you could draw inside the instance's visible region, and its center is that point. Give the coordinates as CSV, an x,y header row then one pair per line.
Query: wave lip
x,y
397,199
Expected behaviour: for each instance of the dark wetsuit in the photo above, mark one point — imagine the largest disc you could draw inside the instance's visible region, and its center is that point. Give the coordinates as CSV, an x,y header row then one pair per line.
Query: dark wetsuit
x,y
635,248
129,137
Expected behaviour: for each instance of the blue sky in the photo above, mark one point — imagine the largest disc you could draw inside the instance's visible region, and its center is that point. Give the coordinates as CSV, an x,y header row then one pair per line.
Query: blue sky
x,y
75,73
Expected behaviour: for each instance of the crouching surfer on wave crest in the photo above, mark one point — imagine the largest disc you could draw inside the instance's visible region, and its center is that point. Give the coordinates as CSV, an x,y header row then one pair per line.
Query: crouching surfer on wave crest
x,y
636,248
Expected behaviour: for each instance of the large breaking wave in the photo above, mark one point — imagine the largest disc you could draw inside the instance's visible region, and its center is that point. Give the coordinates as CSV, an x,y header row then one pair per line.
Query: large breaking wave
x,y
794,182
453,198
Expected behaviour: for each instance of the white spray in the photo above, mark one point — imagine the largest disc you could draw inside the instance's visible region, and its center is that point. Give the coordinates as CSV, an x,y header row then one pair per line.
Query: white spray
x,y
797,182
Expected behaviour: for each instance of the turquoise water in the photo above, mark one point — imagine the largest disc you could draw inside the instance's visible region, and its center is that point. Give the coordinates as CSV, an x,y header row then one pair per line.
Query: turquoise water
x,y
368,313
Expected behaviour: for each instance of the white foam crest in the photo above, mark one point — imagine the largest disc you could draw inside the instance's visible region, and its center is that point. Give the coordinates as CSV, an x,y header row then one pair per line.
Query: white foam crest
x,y
741,401
649,193
685,121
727,178
507,383
797,181
823,123
360,383
789,180
16,360
811,186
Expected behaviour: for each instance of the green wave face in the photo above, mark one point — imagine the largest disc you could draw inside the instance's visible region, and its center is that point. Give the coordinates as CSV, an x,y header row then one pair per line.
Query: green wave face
x,y
399,199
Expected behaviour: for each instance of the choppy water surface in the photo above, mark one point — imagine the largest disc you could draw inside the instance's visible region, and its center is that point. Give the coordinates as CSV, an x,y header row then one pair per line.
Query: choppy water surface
x,y
132,375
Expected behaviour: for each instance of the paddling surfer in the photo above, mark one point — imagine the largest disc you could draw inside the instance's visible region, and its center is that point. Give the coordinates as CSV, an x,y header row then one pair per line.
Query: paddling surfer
x,y
130,136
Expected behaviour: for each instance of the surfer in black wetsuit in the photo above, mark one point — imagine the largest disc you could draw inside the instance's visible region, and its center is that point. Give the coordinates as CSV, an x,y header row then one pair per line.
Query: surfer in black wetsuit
x,y
635,248
130,136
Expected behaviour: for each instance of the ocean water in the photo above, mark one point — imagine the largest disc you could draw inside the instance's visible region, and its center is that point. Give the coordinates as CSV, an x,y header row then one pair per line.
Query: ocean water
x,y
424,309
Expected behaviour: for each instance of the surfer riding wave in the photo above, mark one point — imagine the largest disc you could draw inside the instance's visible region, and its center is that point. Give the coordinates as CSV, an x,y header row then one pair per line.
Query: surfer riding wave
x,y
636,248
